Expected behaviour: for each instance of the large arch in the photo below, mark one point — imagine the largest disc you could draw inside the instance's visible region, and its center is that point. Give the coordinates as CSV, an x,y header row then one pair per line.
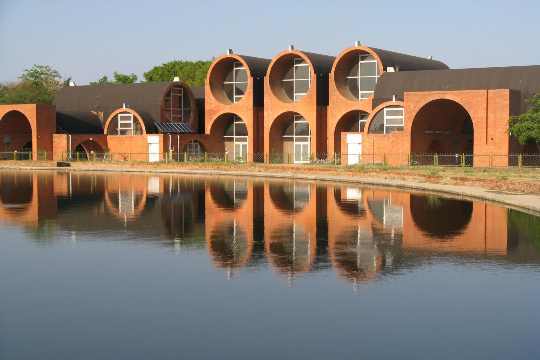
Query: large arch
x,y
440,218
16,191
16,134
290,139
111,124
233,130
442,127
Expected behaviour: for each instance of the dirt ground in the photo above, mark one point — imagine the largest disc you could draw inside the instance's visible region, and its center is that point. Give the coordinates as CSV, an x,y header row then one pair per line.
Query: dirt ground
x,y
518,180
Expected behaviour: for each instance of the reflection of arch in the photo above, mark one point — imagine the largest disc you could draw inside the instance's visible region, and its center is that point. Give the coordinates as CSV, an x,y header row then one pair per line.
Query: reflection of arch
x,y
353,121
125,203
182,210
290,197
290,249
350,207
355,254
15,131
16,191
439,217
229,194
229,245
290,138
233,130
445,127
111,125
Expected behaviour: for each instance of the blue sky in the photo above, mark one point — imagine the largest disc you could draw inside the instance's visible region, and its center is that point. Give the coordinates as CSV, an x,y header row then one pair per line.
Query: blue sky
x,y
86,39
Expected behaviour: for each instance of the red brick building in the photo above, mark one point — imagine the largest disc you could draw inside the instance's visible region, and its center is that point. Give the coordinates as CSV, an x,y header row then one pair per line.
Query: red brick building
x,y
366,105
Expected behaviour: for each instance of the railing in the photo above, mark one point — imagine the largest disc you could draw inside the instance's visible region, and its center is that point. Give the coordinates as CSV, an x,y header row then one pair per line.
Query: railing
x,y
385,159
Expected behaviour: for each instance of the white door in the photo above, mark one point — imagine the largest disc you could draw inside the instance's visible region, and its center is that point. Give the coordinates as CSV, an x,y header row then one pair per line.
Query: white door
x,y
301,152
153,148
354,148
240,152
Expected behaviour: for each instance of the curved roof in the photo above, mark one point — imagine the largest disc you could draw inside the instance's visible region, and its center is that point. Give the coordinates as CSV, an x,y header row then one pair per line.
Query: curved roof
x,y
257,66
321,63
84,109
404,62
525,79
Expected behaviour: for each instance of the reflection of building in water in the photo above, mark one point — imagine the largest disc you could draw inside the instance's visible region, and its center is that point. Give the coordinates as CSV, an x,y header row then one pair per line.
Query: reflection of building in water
x,y
290,225
182,210
125,196
363,228
232,205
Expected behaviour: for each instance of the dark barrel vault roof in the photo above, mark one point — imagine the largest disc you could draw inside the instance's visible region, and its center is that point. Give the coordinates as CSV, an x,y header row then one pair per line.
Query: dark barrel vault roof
x,y
322,64
524,79
404,62
257,66
84,109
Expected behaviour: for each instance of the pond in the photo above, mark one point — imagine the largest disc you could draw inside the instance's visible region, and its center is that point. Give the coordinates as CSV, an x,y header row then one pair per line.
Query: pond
x,y
131,266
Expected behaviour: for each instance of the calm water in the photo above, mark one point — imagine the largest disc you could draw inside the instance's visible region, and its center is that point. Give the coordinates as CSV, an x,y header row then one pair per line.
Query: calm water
x,y
175,267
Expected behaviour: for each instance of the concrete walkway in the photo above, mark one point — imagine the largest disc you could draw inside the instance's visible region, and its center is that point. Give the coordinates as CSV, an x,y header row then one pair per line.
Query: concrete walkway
x,y
529,203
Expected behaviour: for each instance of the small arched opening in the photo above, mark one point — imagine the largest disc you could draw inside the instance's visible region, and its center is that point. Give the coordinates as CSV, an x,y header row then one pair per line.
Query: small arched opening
x,y
290,139
353,121
16,135
442,127
88,150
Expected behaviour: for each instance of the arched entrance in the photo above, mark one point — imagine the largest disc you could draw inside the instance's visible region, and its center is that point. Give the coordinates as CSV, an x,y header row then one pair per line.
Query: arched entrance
x,y
16,135
233,130
353,121
88,150
445,128
290,139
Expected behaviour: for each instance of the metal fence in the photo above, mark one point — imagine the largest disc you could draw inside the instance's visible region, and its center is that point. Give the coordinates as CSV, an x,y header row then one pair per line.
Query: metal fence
x,y
386,159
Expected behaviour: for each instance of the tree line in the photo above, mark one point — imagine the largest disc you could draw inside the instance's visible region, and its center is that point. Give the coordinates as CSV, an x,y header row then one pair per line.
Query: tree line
x,y
40,83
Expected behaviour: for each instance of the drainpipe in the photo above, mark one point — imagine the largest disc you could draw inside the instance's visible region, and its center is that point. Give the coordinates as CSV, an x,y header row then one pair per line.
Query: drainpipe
x,y
178,146
69,147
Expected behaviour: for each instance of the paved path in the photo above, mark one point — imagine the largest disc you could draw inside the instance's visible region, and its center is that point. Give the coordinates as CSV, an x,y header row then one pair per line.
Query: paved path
x,y
526,202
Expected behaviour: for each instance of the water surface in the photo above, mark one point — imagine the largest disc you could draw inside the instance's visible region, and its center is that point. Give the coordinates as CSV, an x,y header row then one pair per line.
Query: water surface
x,y
170,267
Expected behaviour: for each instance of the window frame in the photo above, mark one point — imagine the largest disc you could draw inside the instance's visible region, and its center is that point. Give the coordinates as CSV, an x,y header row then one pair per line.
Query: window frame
x,y
299,62
237,65
361,95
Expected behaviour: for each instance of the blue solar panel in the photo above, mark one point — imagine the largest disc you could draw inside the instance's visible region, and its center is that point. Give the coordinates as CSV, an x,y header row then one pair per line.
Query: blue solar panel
x,y
173,128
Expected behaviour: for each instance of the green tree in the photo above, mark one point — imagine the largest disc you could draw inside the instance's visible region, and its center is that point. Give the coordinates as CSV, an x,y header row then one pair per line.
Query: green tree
x,y
526,127
118,78
192,73
39,84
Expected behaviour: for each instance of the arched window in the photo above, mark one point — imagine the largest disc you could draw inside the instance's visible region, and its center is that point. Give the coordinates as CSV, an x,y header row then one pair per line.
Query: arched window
x,y
124,123
177,105
388,120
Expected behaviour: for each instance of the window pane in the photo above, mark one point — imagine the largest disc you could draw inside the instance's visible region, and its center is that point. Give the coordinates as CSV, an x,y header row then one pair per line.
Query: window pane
x,y
302,129
288,88
368,84
353,86
394,112
377,124
241,75
303,139
241,129
394,121
390,129
240,89
302,86
366,57
289,130
289,74
229,76
368,69
354,71
229,91
302,72
229,129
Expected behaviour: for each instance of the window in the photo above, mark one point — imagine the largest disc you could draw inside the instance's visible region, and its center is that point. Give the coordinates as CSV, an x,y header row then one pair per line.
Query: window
x,y
237,133
297,80
177,105
363,76
388,120
300,133
235,83
194,148
125,124
359,123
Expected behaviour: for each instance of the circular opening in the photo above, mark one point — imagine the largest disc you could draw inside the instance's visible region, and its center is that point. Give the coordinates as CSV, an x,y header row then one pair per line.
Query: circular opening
x,y
356,75
290,78
229,81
